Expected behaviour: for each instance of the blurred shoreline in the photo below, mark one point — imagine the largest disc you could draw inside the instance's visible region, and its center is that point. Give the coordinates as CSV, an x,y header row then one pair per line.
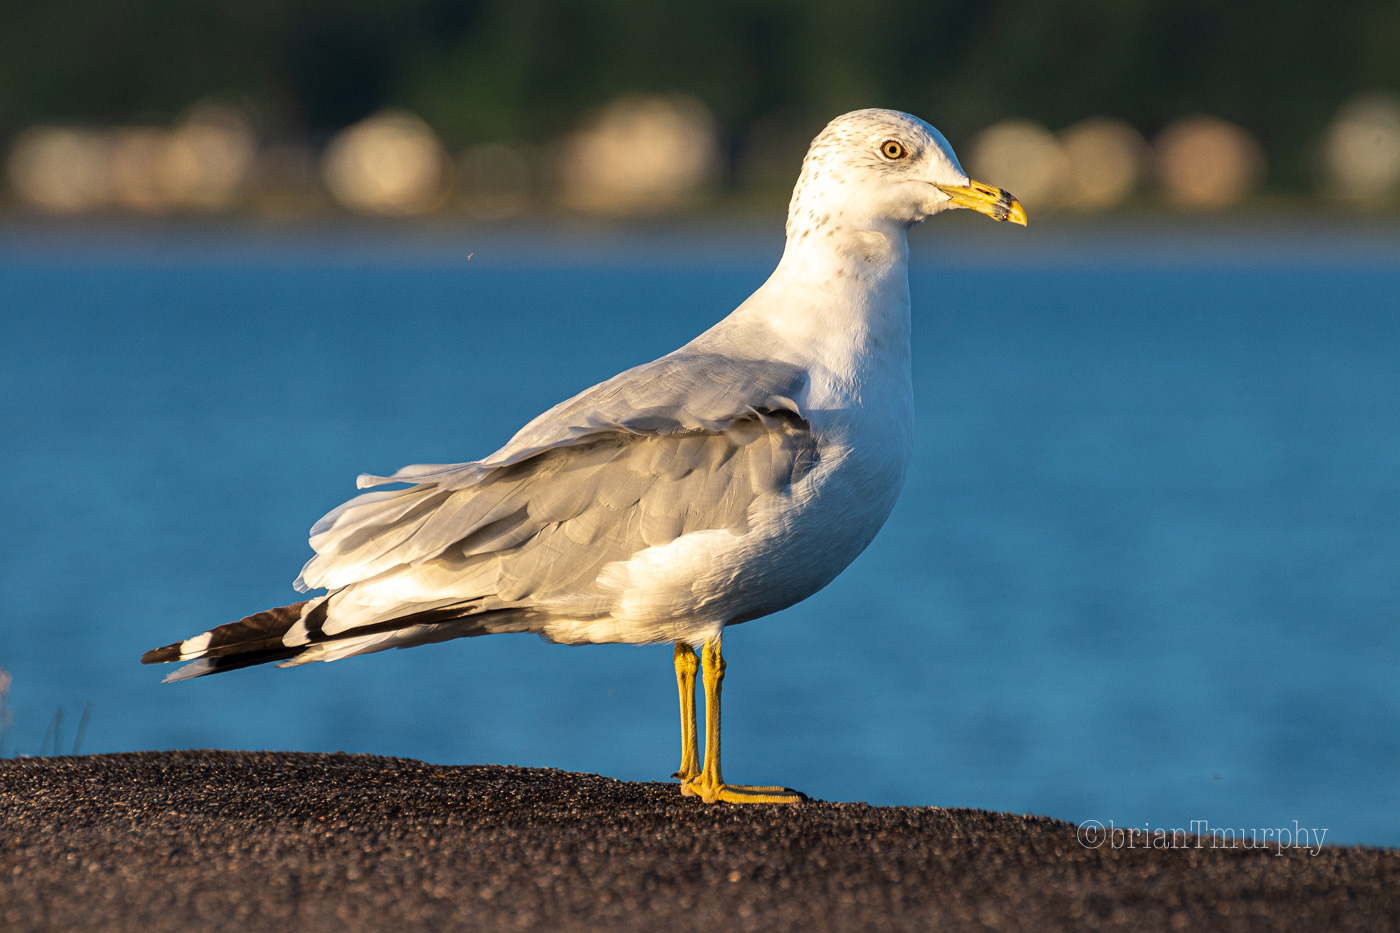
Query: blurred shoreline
x,y
1154,238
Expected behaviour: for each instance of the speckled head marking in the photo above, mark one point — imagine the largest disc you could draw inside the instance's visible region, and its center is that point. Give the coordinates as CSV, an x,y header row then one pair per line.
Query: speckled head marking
x,y
870,168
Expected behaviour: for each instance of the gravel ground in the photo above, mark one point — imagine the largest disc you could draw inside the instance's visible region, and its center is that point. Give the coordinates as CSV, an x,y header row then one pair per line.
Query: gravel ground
x,y
253,841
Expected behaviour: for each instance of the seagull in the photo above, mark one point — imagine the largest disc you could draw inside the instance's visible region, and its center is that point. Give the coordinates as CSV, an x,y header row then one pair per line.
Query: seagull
x,y
723,482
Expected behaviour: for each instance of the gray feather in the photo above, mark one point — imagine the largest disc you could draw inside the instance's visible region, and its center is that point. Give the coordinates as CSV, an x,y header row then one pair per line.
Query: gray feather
x,y
681,445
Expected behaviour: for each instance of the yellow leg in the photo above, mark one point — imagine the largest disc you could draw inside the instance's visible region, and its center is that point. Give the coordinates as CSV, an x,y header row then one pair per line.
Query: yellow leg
x,y
686,666
709,785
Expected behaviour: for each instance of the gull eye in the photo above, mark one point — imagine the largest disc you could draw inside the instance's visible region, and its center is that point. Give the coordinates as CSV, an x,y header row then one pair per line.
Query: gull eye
x,y
893,149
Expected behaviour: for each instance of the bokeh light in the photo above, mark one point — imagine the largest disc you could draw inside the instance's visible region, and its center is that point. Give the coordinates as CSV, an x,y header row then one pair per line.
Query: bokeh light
x,y
1024,158
59,169
1207,163
643,155
136,168
1361,150
390,163
208,158
200,164
1106,159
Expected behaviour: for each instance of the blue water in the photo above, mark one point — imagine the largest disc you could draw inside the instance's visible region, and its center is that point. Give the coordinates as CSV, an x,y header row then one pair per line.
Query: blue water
x,y
1146,567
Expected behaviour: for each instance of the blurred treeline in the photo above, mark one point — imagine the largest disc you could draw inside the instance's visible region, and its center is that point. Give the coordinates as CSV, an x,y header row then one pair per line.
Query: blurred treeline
x,y
771,71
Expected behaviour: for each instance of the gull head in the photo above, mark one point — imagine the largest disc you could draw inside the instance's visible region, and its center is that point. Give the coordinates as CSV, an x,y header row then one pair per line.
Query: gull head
x,y
873,167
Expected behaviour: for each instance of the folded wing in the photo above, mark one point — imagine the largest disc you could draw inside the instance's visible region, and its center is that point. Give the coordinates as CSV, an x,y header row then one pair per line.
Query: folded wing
x,y
643,457
682,445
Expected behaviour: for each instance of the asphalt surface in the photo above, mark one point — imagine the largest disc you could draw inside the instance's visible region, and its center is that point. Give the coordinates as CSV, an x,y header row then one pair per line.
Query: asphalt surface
x,y
253,841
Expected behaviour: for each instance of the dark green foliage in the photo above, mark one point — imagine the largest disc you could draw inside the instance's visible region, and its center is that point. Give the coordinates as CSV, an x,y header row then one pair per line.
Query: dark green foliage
x,y
771,70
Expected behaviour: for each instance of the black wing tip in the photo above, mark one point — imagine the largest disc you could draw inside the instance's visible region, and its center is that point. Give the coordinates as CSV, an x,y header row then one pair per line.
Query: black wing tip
x,y
203,667
254,634
162,655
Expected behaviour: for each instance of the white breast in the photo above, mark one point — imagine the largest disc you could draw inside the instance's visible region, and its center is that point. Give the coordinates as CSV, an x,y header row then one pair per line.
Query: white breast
x,y
852,339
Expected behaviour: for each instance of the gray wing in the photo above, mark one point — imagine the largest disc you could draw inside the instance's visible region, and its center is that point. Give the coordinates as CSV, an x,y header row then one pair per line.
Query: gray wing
x,y
678,392
684,444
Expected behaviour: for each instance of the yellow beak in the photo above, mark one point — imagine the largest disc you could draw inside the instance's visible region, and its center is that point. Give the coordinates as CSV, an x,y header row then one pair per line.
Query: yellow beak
x,y
996,203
